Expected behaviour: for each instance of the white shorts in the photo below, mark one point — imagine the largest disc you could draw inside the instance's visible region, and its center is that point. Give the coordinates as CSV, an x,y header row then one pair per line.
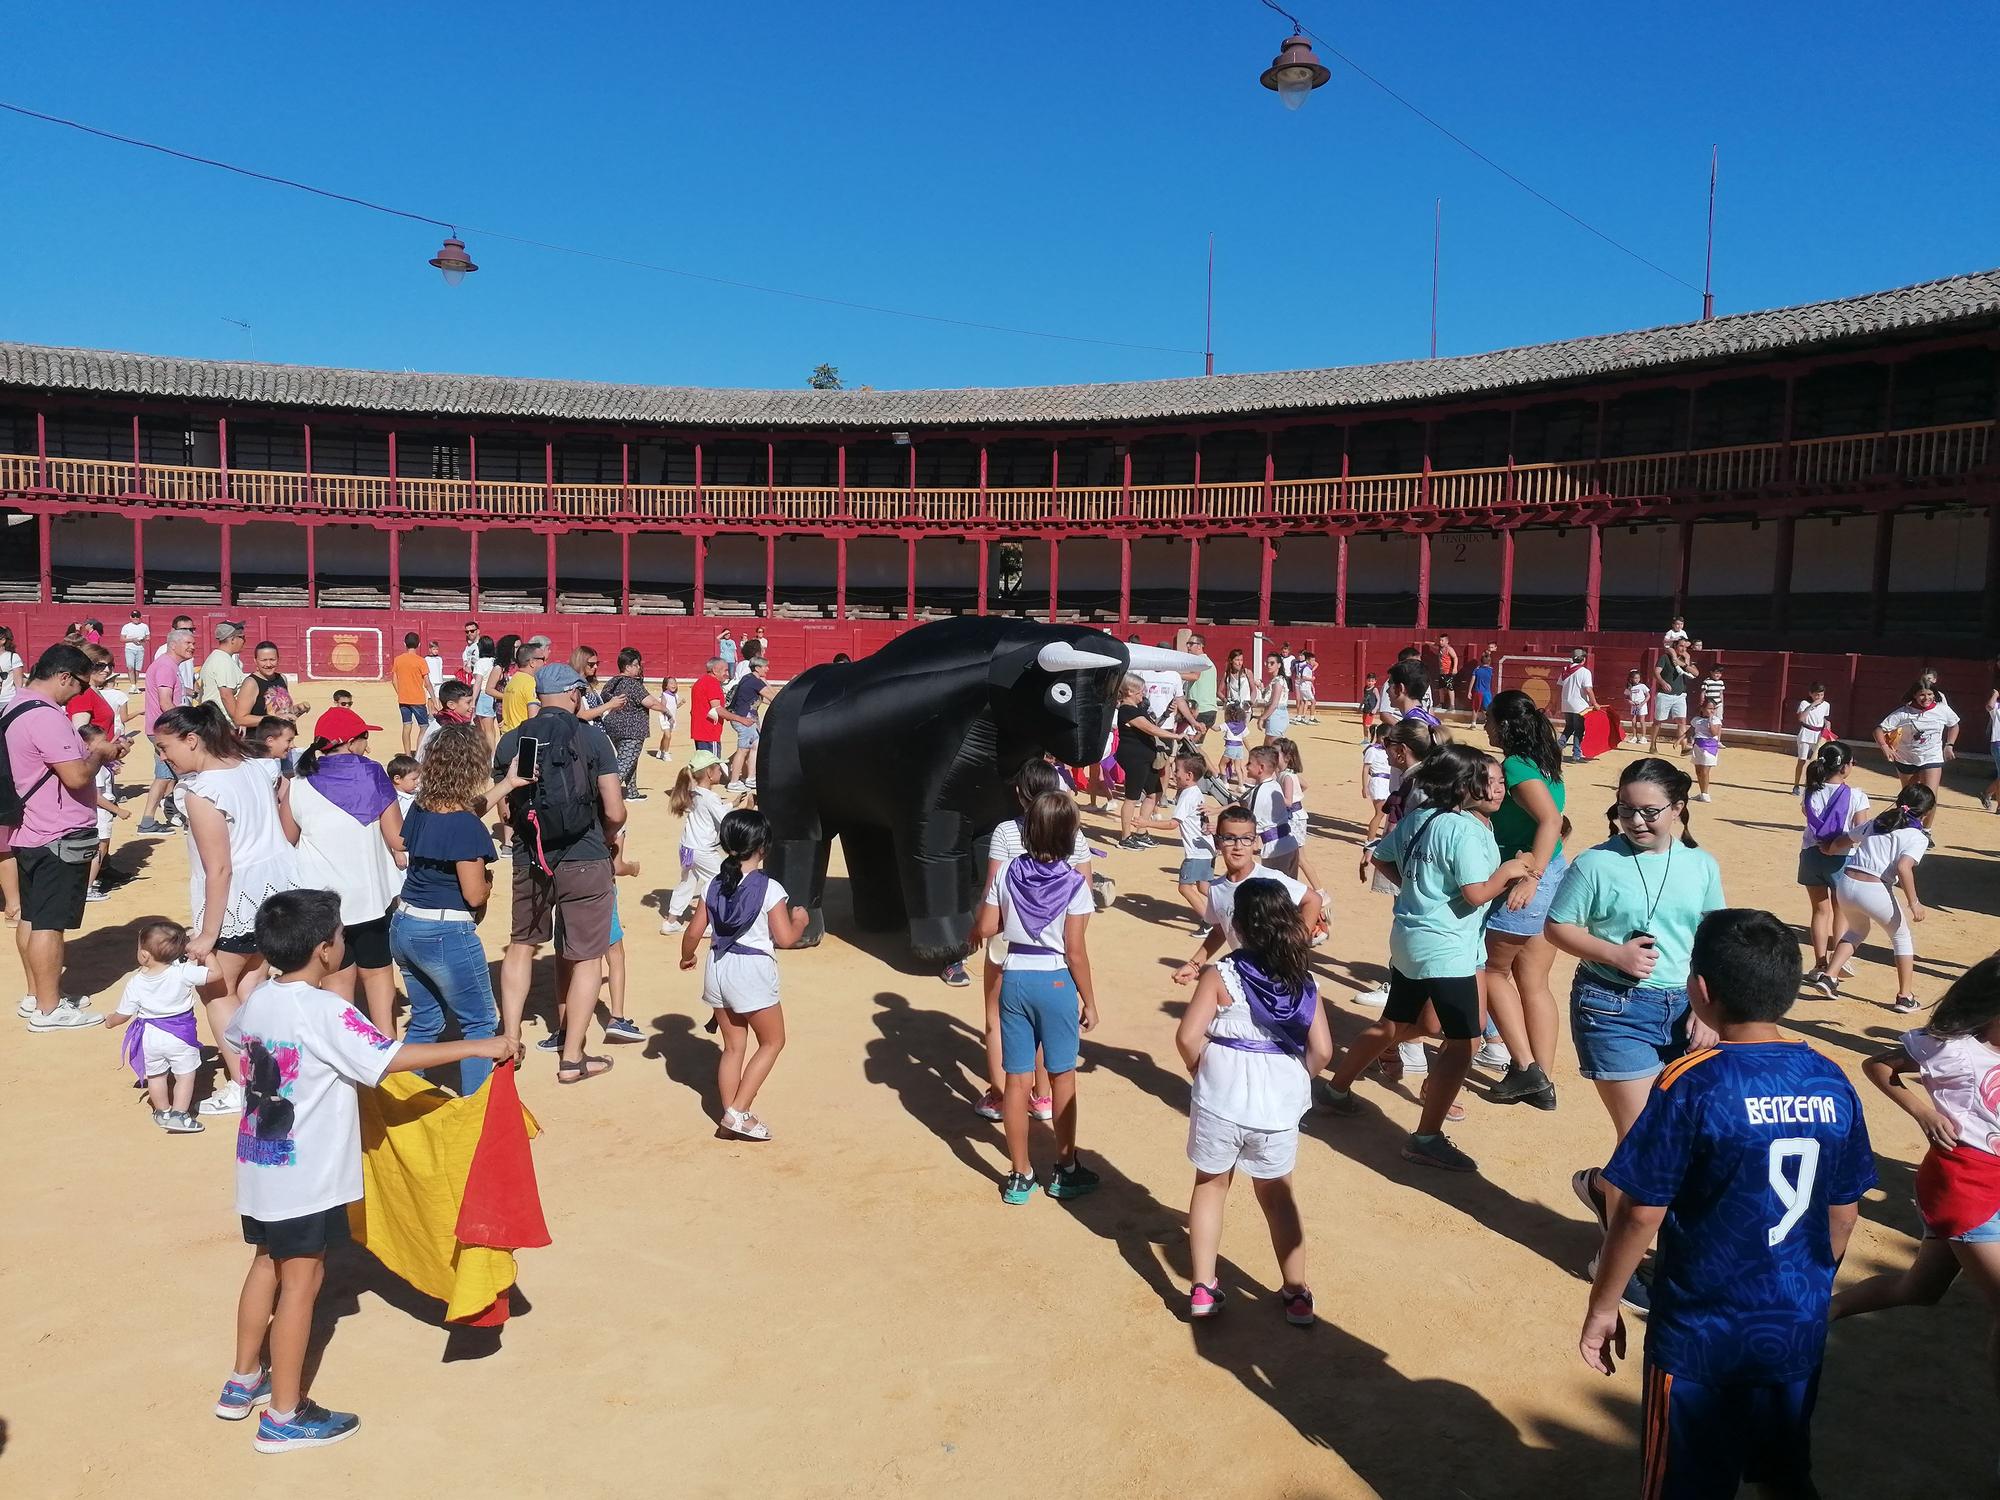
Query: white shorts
x,y
1217,1145
1809,743
163,1052
1376,789
740,983
1703,757
105,818
1669,706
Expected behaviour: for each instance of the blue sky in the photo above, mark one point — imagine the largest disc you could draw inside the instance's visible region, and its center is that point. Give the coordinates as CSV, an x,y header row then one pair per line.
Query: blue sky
x,y
1053,166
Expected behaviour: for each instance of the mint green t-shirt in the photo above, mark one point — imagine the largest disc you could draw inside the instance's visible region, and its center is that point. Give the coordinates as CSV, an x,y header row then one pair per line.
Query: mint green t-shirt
x,y
1436,934
1613,891
1513,826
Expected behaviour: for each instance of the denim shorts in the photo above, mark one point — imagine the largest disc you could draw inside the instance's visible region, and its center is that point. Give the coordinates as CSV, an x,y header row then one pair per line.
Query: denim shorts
x,y
1038,1008
1198,871
414,713
1531,919
1982,1234
1816,868
1621,1033
746,735
485,708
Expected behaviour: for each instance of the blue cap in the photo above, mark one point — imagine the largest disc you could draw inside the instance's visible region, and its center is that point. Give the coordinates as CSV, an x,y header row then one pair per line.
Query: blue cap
x,y
556,677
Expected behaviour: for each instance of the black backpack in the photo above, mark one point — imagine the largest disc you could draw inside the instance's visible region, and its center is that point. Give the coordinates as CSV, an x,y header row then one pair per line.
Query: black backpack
x,y
14,804
562,803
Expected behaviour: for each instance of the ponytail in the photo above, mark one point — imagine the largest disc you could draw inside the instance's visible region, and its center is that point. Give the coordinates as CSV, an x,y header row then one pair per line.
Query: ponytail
x,y
681,798
1912,805
1833,758
743,833
307,765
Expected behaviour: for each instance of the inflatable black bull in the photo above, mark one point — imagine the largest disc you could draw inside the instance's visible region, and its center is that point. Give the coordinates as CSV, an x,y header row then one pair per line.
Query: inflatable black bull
x,y
906,755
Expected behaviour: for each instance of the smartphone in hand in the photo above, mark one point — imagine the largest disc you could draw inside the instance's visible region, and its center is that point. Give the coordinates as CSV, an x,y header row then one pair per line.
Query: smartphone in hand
x,y
525,758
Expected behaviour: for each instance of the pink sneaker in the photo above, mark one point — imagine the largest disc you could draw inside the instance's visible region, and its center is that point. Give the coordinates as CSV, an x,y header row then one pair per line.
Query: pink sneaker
x,y
988,1107
1299,1307
1041,1106
1205,1301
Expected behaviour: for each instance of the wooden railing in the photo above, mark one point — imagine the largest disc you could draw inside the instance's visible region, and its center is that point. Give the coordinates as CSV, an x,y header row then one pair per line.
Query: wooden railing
x,y
1812,463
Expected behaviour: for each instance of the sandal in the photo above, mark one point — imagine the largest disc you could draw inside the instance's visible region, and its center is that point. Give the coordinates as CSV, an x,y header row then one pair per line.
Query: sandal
x,y
583,1069
744,1125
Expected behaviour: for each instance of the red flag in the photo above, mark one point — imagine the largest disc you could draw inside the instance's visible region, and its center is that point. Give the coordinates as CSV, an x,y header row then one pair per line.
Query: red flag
x,y
502,1207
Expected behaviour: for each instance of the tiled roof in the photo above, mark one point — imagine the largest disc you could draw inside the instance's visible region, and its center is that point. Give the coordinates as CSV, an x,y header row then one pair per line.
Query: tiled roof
x,y
1930,306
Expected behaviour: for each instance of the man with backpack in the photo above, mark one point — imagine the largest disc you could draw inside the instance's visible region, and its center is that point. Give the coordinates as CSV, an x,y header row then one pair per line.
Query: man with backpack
x,y
564,826
48,811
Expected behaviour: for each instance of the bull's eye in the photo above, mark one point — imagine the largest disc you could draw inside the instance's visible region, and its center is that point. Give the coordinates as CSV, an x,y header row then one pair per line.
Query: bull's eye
x,y
1062,692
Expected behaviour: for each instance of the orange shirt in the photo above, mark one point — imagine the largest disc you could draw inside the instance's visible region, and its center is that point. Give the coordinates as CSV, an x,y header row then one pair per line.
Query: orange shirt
x,y
412,678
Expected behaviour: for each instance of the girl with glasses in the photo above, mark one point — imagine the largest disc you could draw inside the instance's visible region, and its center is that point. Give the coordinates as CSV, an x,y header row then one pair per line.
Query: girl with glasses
x,y
1629,909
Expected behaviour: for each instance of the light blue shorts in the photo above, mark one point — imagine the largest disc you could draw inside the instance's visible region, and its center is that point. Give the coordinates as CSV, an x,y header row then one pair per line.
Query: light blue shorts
x,y
1982,1234
1531,919
1198,871
1623,1034
1038,1008
746,735
485,708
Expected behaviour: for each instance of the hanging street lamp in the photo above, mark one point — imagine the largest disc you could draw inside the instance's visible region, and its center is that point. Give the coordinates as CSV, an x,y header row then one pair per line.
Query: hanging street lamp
x,y
455,263
1295,72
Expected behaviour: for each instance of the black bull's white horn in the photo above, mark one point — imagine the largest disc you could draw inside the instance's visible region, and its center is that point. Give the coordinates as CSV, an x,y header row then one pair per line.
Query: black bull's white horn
x,y
1159,659
1061,656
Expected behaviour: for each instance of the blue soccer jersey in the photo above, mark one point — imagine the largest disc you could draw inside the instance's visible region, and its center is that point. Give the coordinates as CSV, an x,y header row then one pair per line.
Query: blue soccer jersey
x,y
1745,1145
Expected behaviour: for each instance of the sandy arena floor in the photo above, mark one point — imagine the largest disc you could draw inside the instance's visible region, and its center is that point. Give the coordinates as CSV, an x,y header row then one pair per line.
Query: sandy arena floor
x,y
850,1310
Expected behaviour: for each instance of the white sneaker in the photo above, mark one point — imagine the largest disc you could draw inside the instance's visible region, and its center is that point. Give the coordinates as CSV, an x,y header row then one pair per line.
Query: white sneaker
x,y
1493,1056
1373,999
671,926
1703,797
227,1100
26,1009
1414,1058
69,1015
735,786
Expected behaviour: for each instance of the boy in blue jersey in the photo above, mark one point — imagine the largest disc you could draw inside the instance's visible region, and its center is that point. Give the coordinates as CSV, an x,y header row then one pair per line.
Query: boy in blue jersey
x,y
1748,1161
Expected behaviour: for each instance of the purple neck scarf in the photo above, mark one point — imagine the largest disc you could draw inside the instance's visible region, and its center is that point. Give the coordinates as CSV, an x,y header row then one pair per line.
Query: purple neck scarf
x,y
1286,1015
181,1026
355,785
731,913
1041,893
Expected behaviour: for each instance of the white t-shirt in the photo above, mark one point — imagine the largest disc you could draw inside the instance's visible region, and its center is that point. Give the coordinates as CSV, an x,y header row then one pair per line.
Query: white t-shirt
x,y
10,663
323,1048
1920,736
168,991
1576,686
1813,715
1195,842
700,829
1014,928
117,698
1278,697
1992,717
1257,1090
1222,898
1962,1076
746,982
1878,853
1636,694
336,853
1007,844
1161,690
1673,638
468,659
106,784
434,669
262,861
1274,819
1375,772
134,632
1815,803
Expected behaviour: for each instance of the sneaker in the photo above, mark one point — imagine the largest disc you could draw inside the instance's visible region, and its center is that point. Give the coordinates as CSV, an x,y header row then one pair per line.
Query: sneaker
x,y
1071,1181
551,1043
635,796
238,1397
1018,1187
1133,841
1437,1151
671,925
623,1029
988,1107
97,893
1145,840
954,975
1373,999
1811,981
1519,1084
1298,1307
1414,1058
311,1426
26,1009
1703,797
1338,1101
1494,1057
151,825
1205,1301
736,786
181,1122
1905,1004
1041,1106
746,1126
227,1100
69,1015
1828,986
1989,804
1637,1296
1591,1196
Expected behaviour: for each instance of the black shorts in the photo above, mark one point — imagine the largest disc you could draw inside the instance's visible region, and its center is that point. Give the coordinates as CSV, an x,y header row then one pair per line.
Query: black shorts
x,y
52,889
368,944
309,1234
1141,780
244,945
1456,1001
1207,719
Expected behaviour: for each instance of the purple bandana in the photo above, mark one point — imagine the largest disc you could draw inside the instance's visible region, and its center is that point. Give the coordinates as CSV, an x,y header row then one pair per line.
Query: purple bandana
x,y
1830,822
1288,1016
1041,893
731,913
181,1026
355,785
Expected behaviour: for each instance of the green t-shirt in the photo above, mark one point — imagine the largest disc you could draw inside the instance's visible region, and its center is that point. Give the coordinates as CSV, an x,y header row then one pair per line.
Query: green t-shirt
x,y
1201,692
1436,934
1513,827
1613,891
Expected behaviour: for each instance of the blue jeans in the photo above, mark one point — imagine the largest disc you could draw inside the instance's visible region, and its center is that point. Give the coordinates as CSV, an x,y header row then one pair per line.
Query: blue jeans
x,y
444,968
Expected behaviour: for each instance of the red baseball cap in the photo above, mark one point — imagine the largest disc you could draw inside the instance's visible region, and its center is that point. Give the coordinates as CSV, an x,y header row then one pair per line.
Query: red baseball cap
x,y
336,726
